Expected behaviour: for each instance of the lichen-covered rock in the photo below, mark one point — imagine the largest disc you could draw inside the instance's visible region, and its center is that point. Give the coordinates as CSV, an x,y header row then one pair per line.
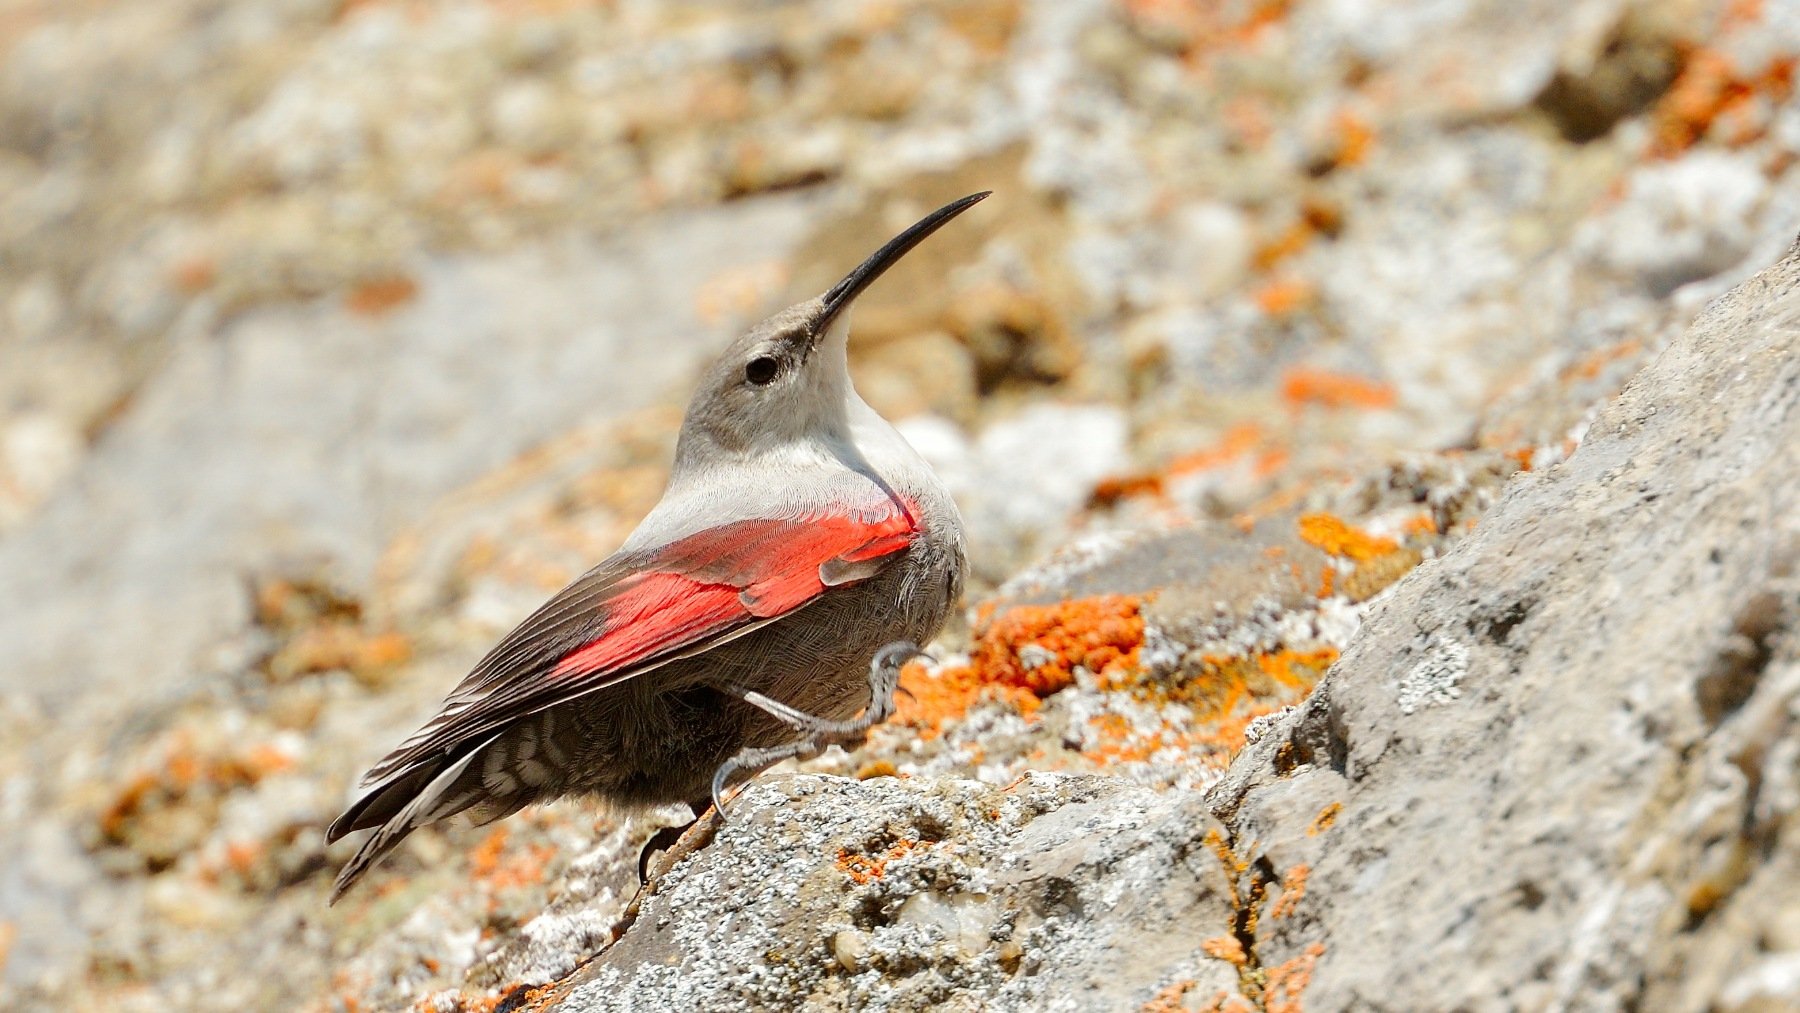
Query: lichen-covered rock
x,y
1054,893
1551,770
1563,761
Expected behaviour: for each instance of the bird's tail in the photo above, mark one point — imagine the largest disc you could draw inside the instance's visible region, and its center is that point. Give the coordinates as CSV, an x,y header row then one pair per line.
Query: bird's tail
x,y
403,803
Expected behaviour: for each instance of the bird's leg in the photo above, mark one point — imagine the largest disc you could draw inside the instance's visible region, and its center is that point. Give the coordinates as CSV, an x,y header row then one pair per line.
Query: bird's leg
x,y
755,761
816,732
806,724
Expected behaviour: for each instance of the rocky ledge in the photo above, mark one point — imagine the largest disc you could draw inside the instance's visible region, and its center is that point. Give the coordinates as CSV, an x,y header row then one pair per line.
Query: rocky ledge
x,y
1557,767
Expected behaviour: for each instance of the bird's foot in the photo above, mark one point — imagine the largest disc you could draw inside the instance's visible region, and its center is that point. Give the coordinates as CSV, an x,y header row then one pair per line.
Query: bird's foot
x,y
816,732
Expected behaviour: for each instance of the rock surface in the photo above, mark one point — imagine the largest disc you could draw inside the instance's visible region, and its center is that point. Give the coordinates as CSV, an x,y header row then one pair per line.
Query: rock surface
x,y
1552,770
337,334
1056,893
1565,758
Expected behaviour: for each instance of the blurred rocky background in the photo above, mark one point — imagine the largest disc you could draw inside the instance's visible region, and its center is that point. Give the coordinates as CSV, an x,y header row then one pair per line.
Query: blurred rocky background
x,y
1296,339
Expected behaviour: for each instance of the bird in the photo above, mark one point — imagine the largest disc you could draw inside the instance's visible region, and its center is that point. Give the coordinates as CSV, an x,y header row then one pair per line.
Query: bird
x,y
798,537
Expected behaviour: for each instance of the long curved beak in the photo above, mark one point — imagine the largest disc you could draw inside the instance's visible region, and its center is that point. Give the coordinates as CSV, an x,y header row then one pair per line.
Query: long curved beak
x,y
845,292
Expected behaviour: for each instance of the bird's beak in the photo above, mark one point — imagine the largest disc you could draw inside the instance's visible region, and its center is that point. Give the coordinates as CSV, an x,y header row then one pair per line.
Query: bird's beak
x,y
845,292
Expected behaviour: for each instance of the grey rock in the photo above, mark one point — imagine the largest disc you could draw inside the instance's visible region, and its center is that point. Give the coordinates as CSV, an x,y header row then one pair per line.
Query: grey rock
x,y
1057,893
310,433
1565,753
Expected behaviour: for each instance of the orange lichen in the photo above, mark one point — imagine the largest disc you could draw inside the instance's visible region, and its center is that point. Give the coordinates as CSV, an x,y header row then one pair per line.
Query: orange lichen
x,y
1287,981
320,629
183,771
1092,633
513,995
9,932
1283,296
1224,693
865,869
1303,385
184,765
1205,28
1278,988
348,986
1240,440
1322,822
1588,367
503,869
1332,536
195,274
1248,117
523,868
485,859
1115,742
1246,897
380,296
1232,444
877,768
1296,669
1354,137
1226,948
1293,890
1280,500
1168,999
1115,488
1269,462
1420,525
1221,848
1227,1002
1710,88
1291,241
335,645
1703,897
1371,578
241,857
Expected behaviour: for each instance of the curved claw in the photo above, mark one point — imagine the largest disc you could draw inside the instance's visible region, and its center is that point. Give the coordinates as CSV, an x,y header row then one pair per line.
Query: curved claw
x,y
720,776
662,840
884,677
897,654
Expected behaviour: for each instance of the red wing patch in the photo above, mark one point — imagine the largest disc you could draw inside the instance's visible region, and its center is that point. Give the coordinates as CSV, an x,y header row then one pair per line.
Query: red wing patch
x,y
659,610
634,610
712,581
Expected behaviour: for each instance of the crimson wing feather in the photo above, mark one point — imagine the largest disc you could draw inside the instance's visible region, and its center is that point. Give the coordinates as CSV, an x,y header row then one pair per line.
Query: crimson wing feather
x,y
637,611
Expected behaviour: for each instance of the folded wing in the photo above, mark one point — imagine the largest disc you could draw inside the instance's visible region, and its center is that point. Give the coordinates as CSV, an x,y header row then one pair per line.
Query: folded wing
x,y
637,611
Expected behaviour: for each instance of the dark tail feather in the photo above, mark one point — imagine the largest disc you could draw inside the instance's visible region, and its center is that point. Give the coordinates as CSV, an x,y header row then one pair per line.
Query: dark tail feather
x,y
423,795
381,803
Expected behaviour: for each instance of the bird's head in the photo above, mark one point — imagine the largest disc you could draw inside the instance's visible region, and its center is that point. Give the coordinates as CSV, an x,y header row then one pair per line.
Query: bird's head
x,y
788,379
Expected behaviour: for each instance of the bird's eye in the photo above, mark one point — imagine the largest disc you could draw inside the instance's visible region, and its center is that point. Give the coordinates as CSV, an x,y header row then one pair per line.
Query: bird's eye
x,y
762,369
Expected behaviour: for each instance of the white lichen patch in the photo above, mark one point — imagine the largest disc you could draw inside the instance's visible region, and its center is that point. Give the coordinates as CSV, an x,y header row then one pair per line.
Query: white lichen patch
x,y
1436,677
1261,726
